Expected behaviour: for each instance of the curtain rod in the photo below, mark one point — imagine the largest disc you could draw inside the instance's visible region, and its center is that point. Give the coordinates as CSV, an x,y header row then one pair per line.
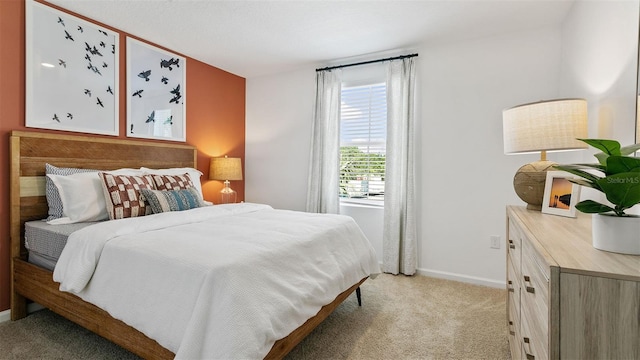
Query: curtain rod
x,y
367,62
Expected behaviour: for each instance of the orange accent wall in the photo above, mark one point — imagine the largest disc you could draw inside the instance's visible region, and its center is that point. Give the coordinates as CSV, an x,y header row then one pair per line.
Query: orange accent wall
x,y
215,116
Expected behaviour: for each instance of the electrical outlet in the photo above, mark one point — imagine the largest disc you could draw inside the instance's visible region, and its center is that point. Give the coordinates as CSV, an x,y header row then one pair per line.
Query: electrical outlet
x,y
495,241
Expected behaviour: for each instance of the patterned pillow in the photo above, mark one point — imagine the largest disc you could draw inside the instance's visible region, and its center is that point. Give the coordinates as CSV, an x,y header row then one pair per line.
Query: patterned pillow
x,y
194,174
172,182
172,200
53,195
122,194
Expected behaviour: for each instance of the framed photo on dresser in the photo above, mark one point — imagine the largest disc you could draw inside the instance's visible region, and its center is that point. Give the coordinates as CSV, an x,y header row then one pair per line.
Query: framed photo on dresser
x,y
560,194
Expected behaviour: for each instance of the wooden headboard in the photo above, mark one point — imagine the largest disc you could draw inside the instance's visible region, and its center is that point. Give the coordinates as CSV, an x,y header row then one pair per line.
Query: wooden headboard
x,y
29,152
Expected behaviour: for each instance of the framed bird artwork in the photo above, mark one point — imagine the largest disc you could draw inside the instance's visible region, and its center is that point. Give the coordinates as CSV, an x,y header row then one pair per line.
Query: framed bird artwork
x,y
156,86
71,72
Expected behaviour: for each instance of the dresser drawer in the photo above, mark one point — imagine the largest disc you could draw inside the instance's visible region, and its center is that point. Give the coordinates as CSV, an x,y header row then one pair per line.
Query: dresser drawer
x,y
514,245
513,291
515,342
513,310
534,306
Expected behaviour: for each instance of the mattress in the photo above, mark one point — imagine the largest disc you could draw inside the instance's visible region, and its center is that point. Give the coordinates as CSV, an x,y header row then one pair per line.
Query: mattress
x,y
231,279
45,242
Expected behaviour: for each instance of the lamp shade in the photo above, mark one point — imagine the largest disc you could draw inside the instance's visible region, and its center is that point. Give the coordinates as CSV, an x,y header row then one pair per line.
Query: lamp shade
x,y
545,126
225,168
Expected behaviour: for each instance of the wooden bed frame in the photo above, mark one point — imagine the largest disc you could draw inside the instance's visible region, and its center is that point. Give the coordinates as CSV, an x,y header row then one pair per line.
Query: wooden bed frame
x,y
29,152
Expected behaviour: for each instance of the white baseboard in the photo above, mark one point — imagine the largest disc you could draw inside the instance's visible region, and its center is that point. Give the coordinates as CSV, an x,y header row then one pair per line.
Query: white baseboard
x,y
31,308
5,316
462,278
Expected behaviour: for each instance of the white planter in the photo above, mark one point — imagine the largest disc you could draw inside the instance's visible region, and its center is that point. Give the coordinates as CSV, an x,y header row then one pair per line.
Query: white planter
x,y
617,234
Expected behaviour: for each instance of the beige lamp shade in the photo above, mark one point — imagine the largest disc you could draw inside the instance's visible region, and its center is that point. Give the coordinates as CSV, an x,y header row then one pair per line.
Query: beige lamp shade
x,y
225,168
545,126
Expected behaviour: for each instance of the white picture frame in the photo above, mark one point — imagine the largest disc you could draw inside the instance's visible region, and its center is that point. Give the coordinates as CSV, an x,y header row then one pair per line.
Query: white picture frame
x,y
72,72
156,92
560,195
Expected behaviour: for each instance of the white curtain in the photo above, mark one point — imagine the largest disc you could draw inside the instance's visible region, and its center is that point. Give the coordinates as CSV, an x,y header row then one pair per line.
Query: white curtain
x,y
324,167
399,229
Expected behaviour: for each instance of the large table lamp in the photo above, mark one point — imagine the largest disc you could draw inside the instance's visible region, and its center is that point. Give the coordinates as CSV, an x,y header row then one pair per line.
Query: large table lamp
x,y
553,125
226,168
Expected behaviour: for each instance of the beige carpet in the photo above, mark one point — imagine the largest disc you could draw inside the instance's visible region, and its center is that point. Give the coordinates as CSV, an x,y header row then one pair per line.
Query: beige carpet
x,y
401,318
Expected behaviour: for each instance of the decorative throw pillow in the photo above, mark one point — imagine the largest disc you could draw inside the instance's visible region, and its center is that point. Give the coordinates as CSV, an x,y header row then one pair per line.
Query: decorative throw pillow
x,y
53,195
194,174
82,198
172,200
172,182
122,194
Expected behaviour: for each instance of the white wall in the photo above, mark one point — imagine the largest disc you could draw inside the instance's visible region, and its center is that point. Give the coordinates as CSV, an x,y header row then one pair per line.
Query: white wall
x,y
464,179
599,59
279,110
599,63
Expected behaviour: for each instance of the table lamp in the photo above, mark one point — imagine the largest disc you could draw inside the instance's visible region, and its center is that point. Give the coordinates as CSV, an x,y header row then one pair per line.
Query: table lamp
x,y
226,168
552,125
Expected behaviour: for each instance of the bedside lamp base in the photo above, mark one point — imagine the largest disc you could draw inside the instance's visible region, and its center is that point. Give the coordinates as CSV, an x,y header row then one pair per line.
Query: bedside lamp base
x,y
529,182
228,195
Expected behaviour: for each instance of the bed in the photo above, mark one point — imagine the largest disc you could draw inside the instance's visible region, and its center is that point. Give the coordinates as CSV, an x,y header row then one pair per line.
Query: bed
x,y
29,153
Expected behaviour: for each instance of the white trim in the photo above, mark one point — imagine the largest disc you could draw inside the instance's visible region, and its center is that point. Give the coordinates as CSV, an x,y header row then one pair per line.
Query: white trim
x,y
372,204
31,308
5,315
462,278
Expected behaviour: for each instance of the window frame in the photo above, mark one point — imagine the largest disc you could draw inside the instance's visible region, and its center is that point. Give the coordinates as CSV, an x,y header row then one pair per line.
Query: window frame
x,y
376,82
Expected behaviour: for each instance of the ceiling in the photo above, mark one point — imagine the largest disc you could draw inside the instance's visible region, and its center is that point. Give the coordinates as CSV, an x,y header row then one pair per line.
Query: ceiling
x,y
255,38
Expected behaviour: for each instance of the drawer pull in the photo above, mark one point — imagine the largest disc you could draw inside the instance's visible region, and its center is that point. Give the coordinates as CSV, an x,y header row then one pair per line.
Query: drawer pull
x,y
529,356
530,289
511,286
511,244
511,332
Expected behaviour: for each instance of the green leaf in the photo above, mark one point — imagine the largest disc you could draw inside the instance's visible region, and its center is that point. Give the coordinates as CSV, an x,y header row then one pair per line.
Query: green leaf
x,y
599,167
609,147
621,183
577,170
592,207
622,189
586,183
622,164
626,150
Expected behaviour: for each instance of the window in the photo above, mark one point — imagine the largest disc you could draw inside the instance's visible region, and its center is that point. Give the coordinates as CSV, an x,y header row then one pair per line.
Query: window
x,y
363,137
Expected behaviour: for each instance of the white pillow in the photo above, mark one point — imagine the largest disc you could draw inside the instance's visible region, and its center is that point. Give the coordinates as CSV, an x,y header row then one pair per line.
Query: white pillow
x,y
125,171
82,198
194,174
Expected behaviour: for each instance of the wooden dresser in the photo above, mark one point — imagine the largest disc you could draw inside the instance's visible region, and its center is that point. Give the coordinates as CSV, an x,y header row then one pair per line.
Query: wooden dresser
x,y
566,299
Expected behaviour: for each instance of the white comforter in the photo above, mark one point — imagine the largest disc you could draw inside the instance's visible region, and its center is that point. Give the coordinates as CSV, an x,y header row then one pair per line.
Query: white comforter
x,y
219,282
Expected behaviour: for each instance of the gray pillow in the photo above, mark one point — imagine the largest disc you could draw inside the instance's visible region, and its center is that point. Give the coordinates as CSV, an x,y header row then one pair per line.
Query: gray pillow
x,y
53,196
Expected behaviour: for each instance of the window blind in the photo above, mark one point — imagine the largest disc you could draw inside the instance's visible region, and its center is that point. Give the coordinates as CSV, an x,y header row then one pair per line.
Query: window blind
x,y
363,135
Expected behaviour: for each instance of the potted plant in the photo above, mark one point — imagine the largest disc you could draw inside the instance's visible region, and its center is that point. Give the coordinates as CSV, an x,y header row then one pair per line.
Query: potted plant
x,y
617,176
